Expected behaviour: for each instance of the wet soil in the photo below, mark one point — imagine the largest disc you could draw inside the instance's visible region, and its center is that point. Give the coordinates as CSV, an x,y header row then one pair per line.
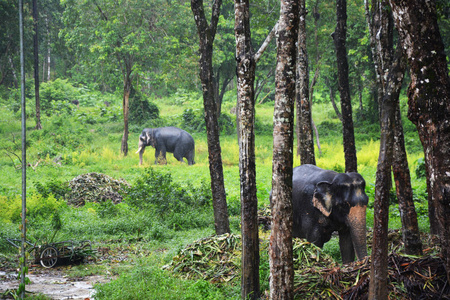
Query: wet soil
x,y
53,283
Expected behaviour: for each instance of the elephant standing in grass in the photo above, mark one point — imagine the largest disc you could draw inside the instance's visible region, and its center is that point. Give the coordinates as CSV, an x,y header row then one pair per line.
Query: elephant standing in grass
x,y
167,139
326,201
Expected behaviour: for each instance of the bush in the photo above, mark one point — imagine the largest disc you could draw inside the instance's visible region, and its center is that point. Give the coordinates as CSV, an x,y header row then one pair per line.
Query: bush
x,y
193,120
421,171
142,110
175,206
58,95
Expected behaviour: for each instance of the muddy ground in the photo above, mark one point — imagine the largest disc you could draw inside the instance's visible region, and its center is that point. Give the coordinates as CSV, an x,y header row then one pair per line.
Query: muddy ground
x,y
53,283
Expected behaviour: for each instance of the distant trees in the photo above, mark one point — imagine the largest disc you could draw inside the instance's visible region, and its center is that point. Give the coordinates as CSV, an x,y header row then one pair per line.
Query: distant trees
x,y
118,44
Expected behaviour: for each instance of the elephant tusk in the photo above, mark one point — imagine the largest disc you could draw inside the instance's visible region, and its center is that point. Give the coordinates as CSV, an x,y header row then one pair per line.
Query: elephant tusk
x,y
139,150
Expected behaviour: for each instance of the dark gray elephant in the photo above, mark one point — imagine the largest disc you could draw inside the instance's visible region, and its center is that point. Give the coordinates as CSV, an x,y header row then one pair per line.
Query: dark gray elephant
x,y
326,201
167,139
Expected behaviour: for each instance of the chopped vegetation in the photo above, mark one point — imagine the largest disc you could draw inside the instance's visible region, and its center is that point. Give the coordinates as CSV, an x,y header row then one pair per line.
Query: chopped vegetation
x,y
95,187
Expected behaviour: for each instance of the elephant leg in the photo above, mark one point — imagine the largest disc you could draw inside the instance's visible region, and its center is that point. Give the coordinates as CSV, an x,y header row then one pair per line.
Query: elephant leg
x,y
346,246
157,154
178,155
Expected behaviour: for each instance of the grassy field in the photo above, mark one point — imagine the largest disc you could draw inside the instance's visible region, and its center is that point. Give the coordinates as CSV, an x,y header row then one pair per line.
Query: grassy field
x,y
87,139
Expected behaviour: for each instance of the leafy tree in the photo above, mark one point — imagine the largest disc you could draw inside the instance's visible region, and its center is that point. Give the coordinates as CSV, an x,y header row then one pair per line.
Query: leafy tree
x,y
112,37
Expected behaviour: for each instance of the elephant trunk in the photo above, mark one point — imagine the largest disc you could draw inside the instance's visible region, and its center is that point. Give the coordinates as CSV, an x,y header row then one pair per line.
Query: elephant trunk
x,y
357,222
140,151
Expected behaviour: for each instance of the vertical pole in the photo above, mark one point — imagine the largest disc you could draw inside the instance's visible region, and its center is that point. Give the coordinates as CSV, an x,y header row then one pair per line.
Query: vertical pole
x,y
24,162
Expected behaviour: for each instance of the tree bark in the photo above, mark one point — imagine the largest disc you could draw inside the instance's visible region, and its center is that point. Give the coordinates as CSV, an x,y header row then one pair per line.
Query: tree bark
x,y
429,101
304,116
402,178
125,106
381,27
245,70
339,37
206,36
36,66
280,249
389,103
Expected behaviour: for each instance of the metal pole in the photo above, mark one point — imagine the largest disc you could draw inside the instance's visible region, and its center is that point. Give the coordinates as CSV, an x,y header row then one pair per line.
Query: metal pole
x,y
24,156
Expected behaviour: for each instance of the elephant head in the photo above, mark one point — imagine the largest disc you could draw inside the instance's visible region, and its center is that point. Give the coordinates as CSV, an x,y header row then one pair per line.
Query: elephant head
x,y
147,138
344,201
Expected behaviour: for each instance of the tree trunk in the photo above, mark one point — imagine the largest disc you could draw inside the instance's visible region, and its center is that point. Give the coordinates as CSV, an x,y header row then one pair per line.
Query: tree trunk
x,y
36,66
48,49
402,178
381,26
245,71
304,116
379,265
125,104
206,36
339,37
429,101
280,249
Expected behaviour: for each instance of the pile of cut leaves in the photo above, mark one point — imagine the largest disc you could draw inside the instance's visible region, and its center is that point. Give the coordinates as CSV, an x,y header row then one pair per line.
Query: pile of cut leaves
x,y
215,258
95,187
317,275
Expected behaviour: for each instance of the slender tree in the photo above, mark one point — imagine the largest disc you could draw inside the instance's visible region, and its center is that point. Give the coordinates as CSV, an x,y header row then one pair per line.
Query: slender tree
x,y
280,250
381,28
36,65
206,34
304,116
245,70
429,102
339,36
379,263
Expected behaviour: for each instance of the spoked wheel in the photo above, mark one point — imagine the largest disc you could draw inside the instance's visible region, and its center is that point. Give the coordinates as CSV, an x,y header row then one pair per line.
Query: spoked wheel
x,y
49,257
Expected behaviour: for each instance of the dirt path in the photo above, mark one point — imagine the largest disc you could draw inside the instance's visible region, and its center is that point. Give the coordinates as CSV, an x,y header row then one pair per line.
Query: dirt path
x,y
53,283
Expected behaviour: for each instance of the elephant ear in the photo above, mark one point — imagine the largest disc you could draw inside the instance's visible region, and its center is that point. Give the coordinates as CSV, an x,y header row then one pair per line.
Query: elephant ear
x,y
150,137
323,198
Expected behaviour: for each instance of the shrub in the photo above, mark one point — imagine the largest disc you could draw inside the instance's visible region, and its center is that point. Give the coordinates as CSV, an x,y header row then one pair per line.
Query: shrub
x,y
421,171
175,206
142,110
58,96
53,187
193,120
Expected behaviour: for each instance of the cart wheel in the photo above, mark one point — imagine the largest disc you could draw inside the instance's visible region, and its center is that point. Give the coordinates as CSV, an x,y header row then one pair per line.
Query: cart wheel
x,y
49,257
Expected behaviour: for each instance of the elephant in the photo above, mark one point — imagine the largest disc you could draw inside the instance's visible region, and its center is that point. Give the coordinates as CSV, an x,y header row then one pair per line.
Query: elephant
x,y
167,139
325,201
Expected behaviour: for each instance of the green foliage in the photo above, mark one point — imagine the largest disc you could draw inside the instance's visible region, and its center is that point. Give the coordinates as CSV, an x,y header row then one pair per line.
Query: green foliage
x,y
175,206
38,208
421,171
142,110
149,282
57,96
54,187
193,120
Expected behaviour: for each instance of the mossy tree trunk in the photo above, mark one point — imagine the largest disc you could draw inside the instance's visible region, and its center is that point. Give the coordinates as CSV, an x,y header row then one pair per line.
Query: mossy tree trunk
x,y
280,249
429,102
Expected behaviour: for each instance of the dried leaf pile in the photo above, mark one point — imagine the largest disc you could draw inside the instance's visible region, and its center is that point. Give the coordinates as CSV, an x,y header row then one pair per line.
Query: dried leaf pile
x,y
95,187
317,275
215,258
